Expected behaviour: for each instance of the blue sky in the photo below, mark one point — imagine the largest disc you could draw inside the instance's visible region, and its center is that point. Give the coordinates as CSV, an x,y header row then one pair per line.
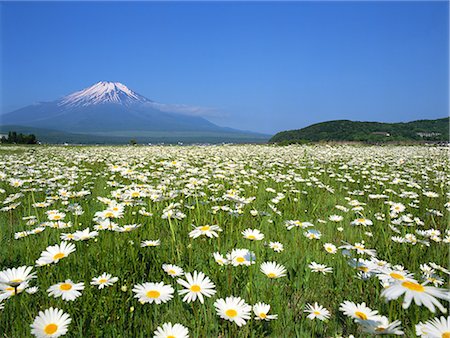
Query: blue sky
x,y
261,66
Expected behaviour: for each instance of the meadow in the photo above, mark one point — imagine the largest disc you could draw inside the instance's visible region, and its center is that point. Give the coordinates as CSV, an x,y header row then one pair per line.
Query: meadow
x,y
286,226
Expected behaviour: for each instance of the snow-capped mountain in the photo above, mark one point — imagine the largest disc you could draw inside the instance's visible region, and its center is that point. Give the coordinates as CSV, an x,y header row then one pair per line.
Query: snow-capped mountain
x,y
112,109
103,92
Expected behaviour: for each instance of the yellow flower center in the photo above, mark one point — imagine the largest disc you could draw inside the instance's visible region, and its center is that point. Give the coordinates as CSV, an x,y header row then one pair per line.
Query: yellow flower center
x,y
329,249
414,287
271,275
231,313
59,256
171,337
50,328
363,268
135,194
171,272
396,275
195,288
380,329
251,237
316,313
153,294
361,220
446,334
109,214
361,315
205,228
103,280
262,315
17,281
240,259
65,286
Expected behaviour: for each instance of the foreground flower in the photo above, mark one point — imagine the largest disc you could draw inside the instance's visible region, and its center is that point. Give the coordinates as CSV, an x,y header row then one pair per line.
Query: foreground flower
x,y
220,259
422,295
153,292
315,267
50,323
434,328
273,270
317,311
234,309
253,234
206,230
381,326
67,290
261,311
56,252
15,276
197,285
276,246
241,257
330,248
156,242
174,331
358,311
361,221
104,280
173,270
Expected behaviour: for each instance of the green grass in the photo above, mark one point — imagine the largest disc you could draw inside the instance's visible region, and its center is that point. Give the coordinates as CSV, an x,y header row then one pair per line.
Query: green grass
x,y
301,173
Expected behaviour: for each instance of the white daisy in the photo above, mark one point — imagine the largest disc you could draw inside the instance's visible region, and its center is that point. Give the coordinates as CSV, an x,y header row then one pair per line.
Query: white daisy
x,y
197,285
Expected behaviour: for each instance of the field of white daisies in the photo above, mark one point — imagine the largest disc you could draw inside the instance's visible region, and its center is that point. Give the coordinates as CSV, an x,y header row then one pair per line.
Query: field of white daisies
x,y
224,241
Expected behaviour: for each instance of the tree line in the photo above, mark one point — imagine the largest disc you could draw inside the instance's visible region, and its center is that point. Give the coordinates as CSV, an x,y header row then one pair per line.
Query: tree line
x,y
15,138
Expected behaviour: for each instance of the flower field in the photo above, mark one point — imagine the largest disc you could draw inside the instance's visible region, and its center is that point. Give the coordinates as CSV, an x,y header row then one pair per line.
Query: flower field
x,y
224,241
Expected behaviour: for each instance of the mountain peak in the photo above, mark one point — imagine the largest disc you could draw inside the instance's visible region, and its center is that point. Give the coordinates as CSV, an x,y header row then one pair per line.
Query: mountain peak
x,y
103,92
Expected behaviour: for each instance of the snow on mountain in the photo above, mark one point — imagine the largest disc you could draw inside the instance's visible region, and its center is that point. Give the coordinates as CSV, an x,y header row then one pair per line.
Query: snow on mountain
x,y
103,92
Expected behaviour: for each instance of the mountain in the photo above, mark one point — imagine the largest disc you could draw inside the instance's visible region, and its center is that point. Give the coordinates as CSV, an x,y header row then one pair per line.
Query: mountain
x,y
345,130
111,109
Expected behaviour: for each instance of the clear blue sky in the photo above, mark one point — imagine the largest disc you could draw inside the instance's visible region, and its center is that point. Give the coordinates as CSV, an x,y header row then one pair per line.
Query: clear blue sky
x,y
262,66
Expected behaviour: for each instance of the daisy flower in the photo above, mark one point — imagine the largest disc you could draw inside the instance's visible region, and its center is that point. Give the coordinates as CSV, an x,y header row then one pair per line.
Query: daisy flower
x,y
84,235
234,309
358,311
205,230
381,326
276,246
32,290
261,311
54,253
422,294
50,323
241,257
197,285
173,270
220,259
15,276
150,243
330,248
153,292
315,267
434,328
174,331
273,270
104,280
335,218
317,311
253,234
361,221
67,290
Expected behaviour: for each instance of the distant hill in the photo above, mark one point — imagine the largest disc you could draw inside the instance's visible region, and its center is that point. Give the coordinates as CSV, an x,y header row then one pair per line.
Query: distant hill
x,y
345,130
